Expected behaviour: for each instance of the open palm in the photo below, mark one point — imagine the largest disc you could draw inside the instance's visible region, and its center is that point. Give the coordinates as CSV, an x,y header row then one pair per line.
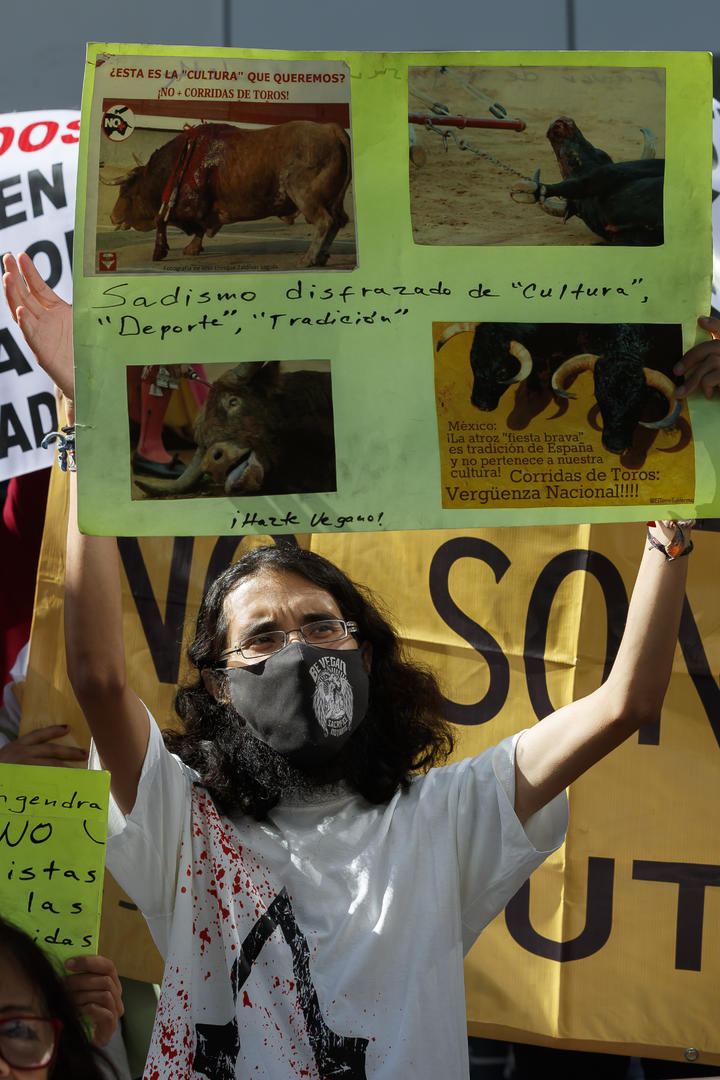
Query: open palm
x,y
44,319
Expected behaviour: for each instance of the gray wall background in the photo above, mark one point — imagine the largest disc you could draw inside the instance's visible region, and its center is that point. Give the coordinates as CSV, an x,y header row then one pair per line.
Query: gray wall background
x,y
42,47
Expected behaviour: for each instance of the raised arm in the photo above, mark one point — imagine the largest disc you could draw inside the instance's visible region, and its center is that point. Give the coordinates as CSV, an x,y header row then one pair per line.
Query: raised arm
x,y
561,747
94,644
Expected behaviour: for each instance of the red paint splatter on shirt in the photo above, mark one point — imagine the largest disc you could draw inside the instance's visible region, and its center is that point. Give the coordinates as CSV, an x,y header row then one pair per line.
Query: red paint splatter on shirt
x,y
228,889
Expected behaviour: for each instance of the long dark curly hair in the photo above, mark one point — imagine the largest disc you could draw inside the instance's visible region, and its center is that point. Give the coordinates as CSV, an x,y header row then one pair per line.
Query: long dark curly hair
x,y
76,1057
404,730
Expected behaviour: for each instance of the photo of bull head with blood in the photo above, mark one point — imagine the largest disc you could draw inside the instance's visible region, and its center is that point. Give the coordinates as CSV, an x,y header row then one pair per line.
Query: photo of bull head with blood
x,y
254,428
550,155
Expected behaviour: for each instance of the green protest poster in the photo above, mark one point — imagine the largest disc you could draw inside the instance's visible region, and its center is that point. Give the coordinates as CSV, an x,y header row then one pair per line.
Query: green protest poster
x,y
390,291
53,829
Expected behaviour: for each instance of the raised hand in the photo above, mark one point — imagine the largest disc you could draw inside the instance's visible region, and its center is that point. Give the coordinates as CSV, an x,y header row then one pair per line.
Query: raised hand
x,y
44,319
39,748
95,989
701,364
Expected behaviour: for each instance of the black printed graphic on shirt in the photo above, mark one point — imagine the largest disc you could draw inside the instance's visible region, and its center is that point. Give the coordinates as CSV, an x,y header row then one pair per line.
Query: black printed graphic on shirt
x,y
338,1057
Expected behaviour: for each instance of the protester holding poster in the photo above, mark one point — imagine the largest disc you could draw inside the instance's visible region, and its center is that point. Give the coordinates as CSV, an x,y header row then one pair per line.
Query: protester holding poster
x,y
53,1040
295,813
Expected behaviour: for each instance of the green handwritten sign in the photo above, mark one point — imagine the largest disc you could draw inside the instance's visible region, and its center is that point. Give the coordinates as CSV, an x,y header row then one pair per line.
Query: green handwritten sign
x,y
53,828
390,291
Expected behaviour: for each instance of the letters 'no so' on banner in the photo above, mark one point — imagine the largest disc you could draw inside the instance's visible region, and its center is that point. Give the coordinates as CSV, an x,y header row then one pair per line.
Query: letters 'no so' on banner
x,y
370,292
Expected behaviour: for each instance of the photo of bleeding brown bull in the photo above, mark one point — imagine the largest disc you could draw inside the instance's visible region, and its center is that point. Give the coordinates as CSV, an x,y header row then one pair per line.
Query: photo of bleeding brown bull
x,y
630,363
216,175
266,428
619,201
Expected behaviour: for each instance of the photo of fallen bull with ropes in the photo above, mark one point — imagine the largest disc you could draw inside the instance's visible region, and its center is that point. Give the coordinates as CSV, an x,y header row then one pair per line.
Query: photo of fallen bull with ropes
x,y
537,156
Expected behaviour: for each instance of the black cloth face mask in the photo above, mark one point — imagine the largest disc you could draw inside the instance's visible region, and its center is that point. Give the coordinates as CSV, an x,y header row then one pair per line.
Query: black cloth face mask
x,y
303,701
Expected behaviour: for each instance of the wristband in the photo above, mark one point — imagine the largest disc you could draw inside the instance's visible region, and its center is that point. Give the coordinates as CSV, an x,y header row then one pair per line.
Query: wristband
x,y
676,548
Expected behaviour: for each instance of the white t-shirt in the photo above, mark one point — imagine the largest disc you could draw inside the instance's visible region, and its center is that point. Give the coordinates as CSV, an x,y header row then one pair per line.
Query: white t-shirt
x,y
326,941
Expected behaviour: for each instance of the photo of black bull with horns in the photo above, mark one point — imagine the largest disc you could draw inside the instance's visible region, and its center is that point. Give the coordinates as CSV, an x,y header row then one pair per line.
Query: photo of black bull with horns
x,y
265,428
631,366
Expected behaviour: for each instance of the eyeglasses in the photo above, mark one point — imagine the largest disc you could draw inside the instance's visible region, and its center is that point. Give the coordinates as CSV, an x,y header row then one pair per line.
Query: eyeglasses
x,y
321,632
29,1042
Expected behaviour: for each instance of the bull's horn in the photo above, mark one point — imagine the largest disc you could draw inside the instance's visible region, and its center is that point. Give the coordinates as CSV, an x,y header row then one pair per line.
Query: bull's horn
x,y
188,481
455,328
532,192
524,358
570,369
555,206
524,193
649,149
660,382
137,160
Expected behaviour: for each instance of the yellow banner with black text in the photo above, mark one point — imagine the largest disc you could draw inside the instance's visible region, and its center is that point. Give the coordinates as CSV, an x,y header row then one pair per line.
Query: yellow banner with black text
x,y
614,944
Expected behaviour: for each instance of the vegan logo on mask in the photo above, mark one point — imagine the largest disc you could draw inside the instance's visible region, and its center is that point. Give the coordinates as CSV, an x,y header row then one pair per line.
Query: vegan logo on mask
x,y
333,696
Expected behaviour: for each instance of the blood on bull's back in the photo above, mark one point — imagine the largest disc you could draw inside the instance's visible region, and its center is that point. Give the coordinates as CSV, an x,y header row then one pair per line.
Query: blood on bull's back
x,y
217,174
